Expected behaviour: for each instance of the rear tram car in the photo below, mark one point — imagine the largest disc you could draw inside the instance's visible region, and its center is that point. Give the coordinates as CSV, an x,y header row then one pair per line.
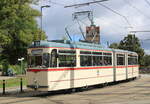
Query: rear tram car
x,y
57,65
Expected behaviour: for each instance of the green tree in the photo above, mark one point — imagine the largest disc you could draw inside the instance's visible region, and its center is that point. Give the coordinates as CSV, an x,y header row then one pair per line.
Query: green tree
x,y
114,45
18,28
147,60
132,43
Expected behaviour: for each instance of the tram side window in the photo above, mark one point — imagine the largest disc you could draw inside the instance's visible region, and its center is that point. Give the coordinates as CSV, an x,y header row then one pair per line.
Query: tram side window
x,y
67,58
97,61
132,60
97,58
85,60
107,59
120,59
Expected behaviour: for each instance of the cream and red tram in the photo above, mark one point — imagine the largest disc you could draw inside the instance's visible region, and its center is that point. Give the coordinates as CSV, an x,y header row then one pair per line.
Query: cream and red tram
x,y
58,65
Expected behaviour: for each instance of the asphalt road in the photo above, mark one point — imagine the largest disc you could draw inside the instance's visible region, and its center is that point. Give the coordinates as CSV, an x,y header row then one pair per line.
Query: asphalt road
x,y
133,92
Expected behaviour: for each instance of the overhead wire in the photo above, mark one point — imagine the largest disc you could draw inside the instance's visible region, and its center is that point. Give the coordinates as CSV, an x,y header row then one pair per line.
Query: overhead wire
x,y
125,18
134,7
147,2
115,12
71,25
56,3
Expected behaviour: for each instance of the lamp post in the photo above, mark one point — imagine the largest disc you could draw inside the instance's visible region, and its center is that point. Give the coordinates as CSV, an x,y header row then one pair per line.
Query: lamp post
x,y
44,6
21,61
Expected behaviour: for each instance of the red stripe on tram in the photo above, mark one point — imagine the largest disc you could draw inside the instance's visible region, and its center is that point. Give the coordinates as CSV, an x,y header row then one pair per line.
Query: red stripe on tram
x,y
81,68
62,69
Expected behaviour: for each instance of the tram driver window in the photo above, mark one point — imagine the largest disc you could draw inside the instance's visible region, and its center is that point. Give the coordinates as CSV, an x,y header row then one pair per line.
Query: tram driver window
x,y
120,59
46,60
35,61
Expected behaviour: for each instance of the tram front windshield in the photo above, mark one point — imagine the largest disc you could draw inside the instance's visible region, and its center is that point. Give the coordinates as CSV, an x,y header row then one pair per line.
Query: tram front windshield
x,y
39,60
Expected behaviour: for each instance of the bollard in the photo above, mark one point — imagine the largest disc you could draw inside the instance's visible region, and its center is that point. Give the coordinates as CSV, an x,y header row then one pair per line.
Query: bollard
x,y
21,85
3,87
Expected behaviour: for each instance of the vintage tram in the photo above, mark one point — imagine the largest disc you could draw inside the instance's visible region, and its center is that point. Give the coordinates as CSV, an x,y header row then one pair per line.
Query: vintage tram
x,y
62,64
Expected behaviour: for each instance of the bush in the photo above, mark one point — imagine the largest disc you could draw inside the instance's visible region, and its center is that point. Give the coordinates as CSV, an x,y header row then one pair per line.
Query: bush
x,y
1,67
15,68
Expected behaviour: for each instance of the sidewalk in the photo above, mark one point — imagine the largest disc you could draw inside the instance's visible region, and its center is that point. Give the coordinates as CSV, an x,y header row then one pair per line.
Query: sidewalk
x,y
12,90
5,77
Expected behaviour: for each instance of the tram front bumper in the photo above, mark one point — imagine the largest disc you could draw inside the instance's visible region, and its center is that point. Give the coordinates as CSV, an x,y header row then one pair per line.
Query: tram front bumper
x,y
35,86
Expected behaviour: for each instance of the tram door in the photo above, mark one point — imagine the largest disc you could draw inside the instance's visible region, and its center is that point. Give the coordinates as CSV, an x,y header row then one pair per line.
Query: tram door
x,y
126,64
54,58
114,66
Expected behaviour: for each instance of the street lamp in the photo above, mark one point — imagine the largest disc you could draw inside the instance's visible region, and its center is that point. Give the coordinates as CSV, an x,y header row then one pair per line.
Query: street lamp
x,y
44,6
21,61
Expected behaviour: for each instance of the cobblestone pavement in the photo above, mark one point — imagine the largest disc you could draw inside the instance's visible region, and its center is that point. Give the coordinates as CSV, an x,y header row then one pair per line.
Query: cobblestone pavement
x,y
133,92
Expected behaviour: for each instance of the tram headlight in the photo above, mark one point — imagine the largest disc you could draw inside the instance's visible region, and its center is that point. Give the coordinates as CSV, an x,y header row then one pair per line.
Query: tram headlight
x,y
36,84
35,81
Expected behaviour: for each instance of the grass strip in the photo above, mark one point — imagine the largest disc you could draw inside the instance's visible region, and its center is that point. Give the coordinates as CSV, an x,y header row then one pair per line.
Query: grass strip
x,y
13,82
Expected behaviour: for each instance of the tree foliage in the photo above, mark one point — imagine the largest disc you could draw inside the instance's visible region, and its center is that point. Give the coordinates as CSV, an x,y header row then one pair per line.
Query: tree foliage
x,y
147,60
18,28
114,46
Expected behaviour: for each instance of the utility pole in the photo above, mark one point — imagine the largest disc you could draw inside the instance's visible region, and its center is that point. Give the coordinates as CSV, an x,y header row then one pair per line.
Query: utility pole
x,y
21,64
45,6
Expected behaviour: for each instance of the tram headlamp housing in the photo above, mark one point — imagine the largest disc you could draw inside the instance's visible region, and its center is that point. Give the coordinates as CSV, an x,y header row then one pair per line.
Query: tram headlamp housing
x,y
36,84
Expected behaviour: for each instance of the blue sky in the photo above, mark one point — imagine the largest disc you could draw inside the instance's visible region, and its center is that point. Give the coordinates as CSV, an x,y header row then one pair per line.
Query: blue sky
x,y
113,27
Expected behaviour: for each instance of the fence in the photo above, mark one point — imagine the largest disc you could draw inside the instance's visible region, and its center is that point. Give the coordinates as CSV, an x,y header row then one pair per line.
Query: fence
x,y
15,83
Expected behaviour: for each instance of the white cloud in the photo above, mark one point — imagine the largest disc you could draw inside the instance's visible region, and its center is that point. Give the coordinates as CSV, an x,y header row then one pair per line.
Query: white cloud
x,y
147,52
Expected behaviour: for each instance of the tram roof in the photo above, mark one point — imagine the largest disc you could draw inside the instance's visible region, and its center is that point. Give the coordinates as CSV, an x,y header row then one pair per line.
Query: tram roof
x,y
70,44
